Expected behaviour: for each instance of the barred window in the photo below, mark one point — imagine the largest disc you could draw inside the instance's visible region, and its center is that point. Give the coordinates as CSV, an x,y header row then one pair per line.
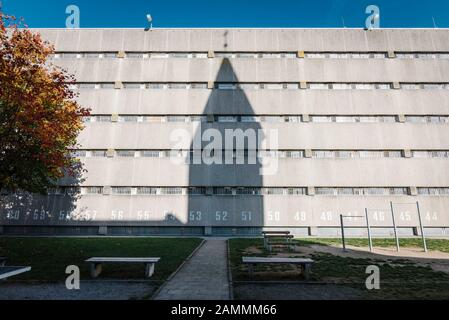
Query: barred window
x,y
121,190
128,119
133,85
72,191
222,191
176,119
273,191
248,191
227,86
78,153
171,191
126,153
93,190
98,153
196,191
151,153
103,118
326,191
146,191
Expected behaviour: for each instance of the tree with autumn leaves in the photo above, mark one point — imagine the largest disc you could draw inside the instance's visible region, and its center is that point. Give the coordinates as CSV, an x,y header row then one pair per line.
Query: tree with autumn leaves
x,y
39,117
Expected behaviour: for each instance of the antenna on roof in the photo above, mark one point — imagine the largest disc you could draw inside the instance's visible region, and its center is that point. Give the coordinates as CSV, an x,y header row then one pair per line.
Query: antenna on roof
x,y
150,21
343,20
434,24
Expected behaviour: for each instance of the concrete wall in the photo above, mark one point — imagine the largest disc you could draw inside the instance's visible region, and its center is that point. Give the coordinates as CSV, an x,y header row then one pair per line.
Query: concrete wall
x,y
229,214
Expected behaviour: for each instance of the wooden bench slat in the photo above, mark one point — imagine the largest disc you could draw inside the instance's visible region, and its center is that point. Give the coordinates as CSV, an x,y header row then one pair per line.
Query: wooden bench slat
x,y
122,260
6,272
275,232
275,260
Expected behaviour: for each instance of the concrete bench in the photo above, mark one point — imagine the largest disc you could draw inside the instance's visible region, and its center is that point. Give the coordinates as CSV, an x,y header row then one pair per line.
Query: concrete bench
x,y
2,261
281,240
96,264
264,233
305,263
6,272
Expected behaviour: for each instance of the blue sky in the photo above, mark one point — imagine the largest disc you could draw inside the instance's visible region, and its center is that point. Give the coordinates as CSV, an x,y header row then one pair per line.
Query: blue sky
x,y
231,13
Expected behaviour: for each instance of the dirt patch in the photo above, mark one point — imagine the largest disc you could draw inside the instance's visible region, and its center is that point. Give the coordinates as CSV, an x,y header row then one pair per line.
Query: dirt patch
x,y
437,260
253,250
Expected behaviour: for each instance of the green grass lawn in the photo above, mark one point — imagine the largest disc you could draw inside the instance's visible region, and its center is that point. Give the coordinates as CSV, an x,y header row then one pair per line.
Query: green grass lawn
x,y
402,279
432,244
49,257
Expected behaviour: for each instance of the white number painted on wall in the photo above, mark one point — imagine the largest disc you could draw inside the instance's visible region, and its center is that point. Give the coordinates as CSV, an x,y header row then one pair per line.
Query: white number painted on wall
x,y
326,216
431,216
221,216
40,215
143,215
405,216
274,216
246,216
195,216
117,215
300,216
379,216
13,215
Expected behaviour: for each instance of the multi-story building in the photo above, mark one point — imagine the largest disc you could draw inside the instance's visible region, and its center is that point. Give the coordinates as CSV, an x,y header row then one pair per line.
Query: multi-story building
x,y
361,118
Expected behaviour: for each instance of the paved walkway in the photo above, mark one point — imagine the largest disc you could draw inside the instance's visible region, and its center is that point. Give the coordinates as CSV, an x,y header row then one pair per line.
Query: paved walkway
x,y
203,277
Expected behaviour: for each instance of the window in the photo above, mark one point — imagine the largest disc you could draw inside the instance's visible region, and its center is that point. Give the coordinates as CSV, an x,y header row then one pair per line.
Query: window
x,y
273,191
319,86
365,86
79,153
86,86
177,86
121,190
198,86
197,191
176,119
134,55
128,119
274,86
227,86
342,86
250,119
223,191
171,191
227,118
159,55
133,86
93,190
91,55
146,191
109,55
151,153
248,86
326,191
321,119
98,153
126,153
248,191
156,86
102,118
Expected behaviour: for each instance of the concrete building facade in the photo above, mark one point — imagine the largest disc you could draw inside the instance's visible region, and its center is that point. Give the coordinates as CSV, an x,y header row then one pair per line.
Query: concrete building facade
x,y
361,118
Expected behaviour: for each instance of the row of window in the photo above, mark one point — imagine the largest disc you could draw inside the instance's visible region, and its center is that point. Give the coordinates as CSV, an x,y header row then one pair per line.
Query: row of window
x,y
265,85
434,119
318,154
250,55
325,191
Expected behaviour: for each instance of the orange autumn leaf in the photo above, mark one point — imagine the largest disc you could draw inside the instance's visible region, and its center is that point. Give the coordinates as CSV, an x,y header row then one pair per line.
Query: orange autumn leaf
x,y
39,116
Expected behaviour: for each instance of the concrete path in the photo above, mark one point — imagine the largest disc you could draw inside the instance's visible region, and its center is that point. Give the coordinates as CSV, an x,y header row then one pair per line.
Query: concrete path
x,y
203,277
